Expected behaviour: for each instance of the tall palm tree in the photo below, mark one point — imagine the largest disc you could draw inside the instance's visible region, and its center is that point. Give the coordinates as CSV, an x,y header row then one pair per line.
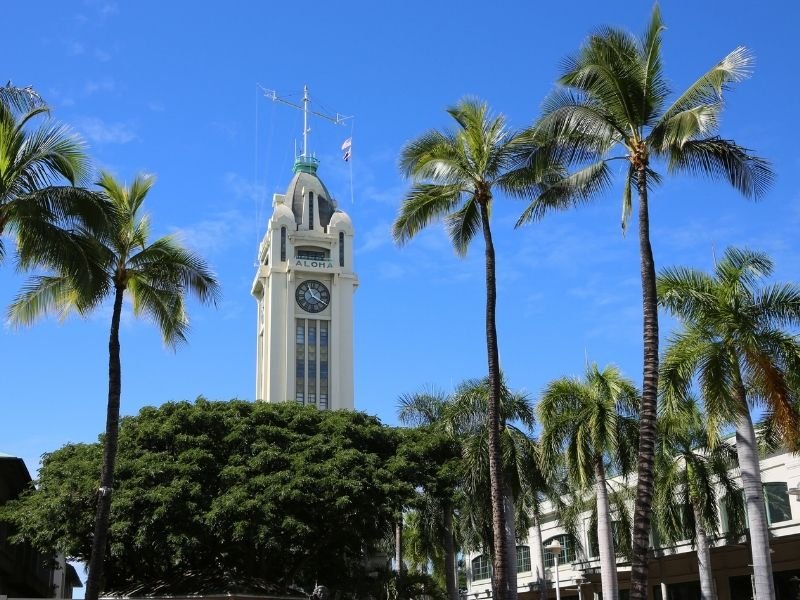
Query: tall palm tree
x,y
41,165
612,105
454,177
734,339
693,465
157,275
593,422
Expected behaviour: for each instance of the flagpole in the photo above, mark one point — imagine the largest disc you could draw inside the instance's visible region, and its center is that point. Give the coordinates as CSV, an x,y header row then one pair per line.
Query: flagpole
x,y
352,197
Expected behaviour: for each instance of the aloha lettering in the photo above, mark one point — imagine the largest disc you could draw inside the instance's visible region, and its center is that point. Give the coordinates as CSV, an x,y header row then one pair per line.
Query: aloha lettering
x,y
314,264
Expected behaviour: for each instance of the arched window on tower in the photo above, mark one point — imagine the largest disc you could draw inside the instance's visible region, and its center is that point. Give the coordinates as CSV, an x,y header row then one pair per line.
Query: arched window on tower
x,y
310,210
283,244
341,249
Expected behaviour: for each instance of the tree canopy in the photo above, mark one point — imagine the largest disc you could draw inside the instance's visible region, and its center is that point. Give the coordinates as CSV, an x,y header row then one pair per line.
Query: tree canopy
x,y
245,491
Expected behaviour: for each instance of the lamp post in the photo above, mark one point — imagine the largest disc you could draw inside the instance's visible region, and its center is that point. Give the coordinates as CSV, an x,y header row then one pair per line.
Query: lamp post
x,y
555,549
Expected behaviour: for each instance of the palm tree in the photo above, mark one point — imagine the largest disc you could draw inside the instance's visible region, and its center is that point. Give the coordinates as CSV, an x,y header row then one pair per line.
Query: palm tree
x,y
593,422
613,97
523,482
462,414
40,167
455,175
734,340
692,465
431,523
157,275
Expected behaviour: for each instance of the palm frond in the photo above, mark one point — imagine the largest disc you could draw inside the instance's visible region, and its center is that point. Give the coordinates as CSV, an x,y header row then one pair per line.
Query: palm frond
x,y
581,187
42,295
708,89
687,293
723,159
20,99
424,204
165,307
463,224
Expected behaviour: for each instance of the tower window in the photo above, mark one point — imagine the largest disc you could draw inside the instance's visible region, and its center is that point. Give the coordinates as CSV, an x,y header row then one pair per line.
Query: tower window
x,y
341,249
323,365
311,210
283,244
311,398
300,361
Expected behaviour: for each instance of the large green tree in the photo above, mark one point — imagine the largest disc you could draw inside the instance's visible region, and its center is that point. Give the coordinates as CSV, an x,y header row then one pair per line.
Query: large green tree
x,y
227,496
695,470
42,165
455,174
612,104
593,422
737,339
157,275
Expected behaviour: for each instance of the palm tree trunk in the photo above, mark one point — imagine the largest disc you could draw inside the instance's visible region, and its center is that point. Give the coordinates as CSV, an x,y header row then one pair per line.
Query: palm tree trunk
x,y
750,470
398,545
101,520
647,414
501,566
537,558
511,534
449,545
605,536
703,557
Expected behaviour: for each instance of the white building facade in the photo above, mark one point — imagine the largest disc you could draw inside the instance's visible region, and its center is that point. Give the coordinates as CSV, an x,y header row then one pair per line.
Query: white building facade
x,y
304,286
673,569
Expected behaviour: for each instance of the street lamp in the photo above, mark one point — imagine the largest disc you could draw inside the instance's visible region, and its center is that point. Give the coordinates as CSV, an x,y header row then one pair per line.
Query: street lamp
x,y
555,549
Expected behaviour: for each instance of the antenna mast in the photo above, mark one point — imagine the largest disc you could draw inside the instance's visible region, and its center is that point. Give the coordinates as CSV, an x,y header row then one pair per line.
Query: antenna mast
x,y
305,160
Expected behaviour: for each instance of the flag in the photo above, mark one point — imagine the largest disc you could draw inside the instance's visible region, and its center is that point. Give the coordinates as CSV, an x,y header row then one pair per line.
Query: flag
x,y
347,147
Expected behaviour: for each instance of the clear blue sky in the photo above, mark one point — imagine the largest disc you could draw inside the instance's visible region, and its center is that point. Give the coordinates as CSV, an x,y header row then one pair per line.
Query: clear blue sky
x,y
170,88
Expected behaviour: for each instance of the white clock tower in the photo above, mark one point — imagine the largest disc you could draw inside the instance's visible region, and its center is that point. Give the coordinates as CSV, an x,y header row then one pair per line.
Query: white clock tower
x,y
304,286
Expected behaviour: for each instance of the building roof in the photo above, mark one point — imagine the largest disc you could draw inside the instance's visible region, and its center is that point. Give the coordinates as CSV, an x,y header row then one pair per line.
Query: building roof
x,y
302,183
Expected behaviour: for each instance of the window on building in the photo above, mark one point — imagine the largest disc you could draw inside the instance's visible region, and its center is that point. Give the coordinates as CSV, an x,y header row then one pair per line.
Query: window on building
x,y
567,554
283,244
323,364
341,249
311,398
776,501
594,547
311,210
523,559
776,497
480,568
300,361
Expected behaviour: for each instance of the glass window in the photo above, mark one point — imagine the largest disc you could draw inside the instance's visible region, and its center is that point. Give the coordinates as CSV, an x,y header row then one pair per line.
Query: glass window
x,y
311,210
312,363
776,497
523,559
283,244
323,364
567,554
594,547
300,361
341,249
480,568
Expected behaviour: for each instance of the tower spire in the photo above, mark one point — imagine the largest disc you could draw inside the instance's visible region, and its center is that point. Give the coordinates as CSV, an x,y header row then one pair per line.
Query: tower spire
x,y
305,121
305,162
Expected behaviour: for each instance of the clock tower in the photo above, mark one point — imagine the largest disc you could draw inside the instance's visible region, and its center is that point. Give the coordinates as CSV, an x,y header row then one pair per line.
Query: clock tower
x,y
304,287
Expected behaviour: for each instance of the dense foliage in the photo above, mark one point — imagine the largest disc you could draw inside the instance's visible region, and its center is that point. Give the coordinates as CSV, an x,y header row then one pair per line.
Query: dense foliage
x,y
283,493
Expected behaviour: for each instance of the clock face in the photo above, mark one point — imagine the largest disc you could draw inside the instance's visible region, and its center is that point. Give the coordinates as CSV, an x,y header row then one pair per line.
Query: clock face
x,y
312,296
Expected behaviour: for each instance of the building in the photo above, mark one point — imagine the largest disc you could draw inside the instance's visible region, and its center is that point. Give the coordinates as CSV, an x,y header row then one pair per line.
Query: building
x,y
24,572
673,569
304,286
